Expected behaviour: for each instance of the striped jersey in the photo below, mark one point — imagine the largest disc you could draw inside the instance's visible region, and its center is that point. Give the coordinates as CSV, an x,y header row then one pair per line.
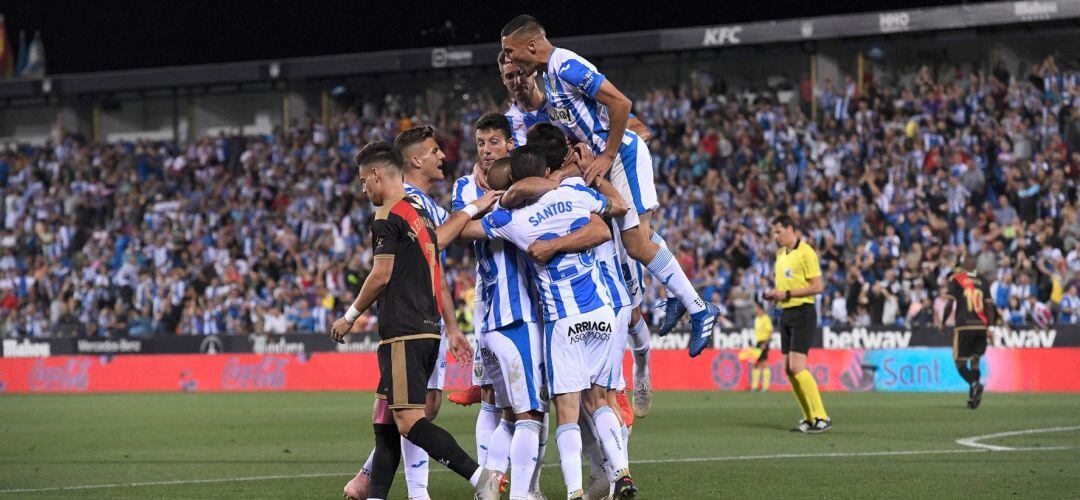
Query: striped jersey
x,y
438,214
569,284
502,282
521,121
609,258
570,85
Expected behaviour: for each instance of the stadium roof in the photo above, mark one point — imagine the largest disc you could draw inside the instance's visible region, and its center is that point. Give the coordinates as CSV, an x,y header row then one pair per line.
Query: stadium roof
x,y
641,42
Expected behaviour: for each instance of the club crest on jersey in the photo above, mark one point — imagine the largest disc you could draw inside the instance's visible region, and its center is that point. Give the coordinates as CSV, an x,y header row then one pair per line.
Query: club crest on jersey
x,y
563,115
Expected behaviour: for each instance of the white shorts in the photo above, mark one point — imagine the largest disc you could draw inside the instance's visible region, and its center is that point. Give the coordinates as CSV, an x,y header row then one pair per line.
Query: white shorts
x,y
438,375
483,360
518,379
568,343
632,175
619,338
633,272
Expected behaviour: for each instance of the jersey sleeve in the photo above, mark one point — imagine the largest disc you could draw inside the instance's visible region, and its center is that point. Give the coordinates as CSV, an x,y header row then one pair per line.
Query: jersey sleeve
x,y
576,72
497,224
458,201
588,197
811,267
384,238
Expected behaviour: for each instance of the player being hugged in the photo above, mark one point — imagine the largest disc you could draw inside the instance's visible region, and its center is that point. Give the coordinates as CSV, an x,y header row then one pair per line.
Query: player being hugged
x,y
589,108
576,310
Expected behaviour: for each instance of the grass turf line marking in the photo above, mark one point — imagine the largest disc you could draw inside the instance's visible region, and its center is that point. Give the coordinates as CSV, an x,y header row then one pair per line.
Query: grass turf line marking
x,y
647,461
974,441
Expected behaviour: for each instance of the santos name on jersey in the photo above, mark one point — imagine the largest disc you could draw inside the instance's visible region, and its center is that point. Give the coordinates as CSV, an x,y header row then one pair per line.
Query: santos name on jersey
x,y
569,284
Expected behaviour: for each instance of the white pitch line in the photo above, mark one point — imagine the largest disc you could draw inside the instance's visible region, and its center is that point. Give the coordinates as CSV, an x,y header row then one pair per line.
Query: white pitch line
x,y
652,461
974,441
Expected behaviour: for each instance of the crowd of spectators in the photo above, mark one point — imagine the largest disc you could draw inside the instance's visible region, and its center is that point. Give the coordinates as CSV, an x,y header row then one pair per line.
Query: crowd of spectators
x,y
892,182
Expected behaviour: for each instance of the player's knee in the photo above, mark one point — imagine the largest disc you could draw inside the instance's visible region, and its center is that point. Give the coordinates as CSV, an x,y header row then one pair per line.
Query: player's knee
x,y
638,245
509,415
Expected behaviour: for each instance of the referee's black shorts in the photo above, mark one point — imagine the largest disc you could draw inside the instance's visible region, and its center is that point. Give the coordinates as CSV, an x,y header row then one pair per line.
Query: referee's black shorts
x,y
797,325
405,365
969,342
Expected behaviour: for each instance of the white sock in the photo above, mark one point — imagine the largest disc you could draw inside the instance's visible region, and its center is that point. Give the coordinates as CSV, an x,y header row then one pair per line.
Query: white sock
x,y
366,468
568,439
475,478
498,456
590,447
416,468
609,434
486,422
523,453
534,484
626,440
665,268
639,340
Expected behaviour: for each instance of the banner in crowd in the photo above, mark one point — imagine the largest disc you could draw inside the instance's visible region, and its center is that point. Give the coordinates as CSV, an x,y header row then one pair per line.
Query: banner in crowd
x,y
916,369
860,338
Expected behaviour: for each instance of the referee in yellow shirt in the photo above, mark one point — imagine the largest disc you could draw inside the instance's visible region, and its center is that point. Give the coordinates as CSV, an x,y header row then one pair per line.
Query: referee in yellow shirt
x,y
798,279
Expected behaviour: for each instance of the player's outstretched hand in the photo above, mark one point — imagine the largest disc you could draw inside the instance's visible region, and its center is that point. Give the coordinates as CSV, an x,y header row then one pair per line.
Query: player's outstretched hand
x,y
459,346
480,176
485,201
541,251
340,329
597,168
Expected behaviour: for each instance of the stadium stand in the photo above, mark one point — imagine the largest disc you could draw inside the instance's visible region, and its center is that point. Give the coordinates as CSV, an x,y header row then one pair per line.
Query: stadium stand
x,y
266,233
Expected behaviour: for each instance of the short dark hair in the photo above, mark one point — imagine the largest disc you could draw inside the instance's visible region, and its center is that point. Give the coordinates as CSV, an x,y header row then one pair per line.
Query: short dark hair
x,y
551,140
527,161
380,152
497,121
529,23
784,220
500,173
413,136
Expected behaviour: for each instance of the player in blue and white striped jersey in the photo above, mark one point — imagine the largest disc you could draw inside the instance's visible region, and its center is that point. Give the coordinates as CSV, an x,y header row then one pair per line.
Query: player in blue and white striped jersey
x,y
584,103
513,411
610,256
576,309
528,106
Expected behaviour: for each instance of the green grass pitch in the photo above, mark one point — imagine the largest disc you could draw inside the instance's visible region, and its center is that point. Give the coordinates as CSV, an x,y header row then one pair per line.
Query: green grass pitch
x,y
694,445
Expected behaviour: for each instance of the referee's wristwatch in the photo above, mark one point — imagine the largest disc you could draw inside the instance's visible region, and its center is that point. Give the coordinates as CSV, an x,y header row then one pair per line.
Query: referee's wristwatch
x,y
787,294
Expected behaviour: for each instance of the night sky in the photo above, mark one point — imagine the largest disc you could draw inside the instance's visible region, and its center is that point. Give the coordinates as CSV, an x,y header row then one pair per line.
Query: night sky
x,y
95,35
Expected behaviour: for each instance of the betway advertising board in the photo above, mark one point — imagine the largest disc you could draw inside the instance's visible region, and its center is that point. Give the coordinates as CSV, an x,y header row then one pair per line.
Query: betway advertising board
x,y
869,338
911,369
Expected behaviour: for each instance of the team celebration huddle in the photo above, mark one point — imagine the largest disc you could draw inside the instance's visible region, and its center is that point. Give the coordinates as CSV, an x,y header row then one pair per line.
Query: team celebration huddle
x,y
557,212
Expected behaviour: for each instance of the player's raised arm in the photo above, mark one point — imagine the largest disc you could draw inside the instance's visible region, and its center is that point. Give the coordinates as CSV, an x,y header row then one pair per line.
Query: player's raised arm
x,y
525,190
618,115
589,236
453,227
616,206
